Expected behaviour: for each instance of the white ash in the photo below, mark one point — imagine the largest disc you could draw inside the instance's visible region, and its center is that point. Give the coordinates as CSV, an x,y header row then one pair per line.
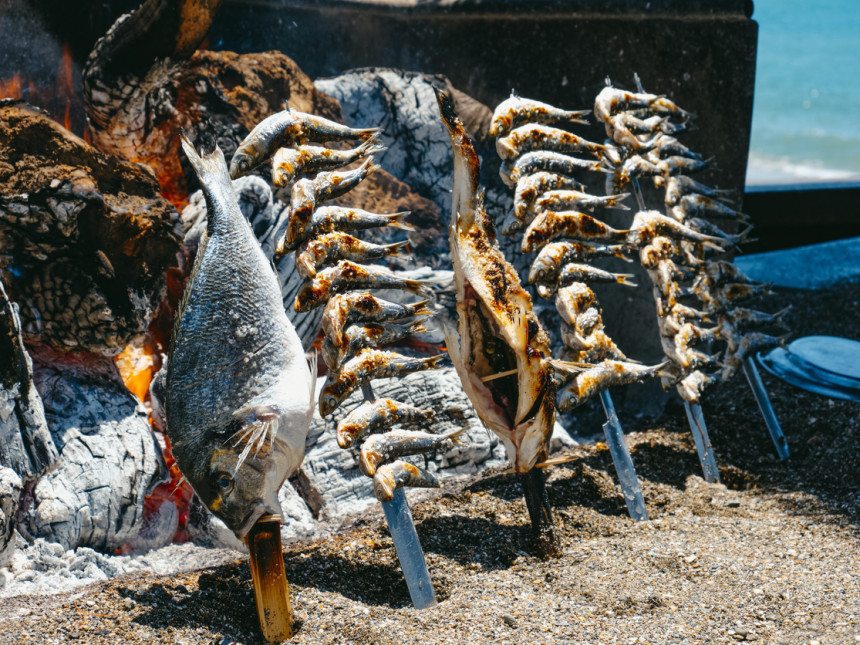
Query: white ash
x,y
109,459
46,567
10,494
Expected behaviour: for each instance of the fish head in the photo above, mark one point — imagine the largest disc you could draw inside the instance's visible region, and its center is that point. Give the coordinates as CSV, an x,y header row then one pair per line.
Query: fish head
x,y
241,496
237,465
250,154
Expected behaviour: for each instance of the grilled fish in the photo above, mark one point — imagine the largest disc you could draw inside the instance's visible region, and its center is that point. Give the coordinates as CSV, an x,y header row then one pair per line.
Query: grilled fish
x,y
239,391
498,331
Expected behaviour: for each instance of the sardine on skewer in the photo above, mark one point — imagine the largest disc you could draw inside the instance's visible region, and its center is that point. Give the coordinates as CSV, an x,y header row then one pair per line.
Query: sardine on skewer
x,y
333,184
649,224
531,187
401,443
587,380
347,308
349,276
560,200
533,137
700,205
680,185
550,225
516,111
576,272
392,476
612,100
555,255
329,219
357,337
498,331
372,416
290,163
511,171
367,365
329,248
289,127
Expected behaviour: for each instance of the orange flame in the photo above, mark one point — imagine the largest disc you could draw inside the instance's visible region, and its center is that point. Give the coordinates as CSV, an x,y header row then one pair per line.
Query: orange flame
x,y
11,89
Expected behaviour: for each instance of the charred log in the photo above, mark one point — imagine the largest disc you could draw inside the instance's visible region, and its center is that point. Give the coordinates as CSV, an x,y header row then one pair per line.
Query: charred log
x,y
10,496
86,238
109,459
138,103
26,445
136,48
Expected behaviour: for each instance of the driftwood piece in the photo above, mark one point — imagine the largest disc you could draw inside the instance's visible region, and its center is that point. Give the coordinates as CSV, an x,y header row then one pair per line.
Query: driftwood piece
x,y
85,238
26,445
109,459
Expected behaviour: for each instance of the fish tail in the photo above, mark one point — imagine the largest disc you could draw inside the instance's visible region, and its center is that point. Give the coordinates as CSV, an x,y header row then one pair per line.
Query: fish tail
x,y
210,167
459,437
396,220
615,202
420,308
365,134
432,362
627,279
398,249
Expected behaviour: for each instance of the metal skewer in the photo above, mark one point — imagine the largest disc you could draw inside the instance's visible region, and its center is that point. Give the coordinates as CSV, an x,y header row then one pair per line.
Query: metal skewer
x,y
406,542
622,460
763,400
695,416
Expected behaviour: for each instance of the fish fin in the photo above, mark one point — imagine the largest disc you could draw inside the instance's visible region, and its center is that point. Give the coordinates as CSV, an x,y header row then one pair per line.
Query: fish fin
x,y
459,437
615,202
396,248
396,220
556,461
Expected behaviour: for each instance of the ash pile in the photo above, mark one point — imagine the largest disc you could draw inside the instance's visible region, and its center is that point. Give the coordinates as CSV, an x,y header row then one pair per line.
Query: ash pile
x,y
95,248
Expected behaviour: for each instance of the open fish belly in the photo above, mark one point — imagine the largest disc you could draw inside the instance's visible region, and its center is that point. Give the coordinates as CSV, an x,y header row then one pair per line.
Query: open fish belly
x,y
498,332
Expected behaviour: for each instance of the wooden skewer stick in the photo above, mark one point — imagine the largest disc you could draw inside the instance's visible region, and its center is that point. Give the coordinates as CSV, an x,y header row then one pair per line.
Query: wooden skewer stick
x,y
493,377
271,590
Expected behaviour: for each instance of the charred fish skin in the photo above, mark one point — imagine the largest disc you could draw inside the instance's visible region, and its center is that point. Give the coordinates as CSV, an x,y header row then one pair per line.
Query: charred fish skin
x,y
239,391
333,247
346,276
347,308
367,365
401,443
371,416
282,128
497,329
392,476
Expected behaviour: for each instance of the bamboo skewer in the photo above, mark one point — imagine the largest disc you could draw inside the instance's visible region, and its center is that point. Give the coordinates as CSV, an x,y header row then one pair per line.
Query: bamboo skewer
x,y
271,591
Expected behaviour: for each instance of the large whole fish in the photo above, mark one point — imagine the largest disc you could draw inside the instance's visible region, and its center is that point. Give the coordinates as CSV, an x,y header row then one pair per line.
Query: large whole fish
x,y
502,351
239,391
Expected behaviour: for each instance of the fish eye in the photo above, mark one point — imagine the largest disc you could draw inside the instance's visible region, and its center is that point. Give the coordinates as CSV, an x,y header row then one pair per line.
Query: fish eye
x,y
224,482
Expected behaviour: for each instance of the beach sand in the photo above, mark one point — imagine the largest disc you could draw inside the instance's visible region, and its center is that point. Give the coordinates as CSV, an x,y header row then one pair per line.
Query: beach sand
x,y
771,556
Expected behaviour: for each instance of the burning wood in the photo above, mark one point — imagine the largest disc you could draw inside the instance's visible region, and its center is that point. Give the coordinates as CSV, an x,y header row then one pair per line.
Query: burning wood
x,y
85,238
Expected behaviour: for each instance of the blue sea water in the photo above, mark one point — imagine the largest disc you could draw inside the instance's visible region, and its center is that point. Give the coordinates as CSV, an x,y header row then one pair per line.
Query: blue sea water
x,y
806,113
